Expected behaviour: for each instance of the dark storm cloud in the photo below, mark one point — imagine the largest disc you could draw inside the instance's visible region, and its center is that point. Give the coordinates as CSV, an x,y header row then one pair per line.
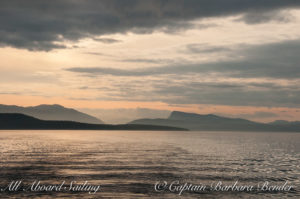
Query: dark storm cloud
x,y
39,25
276,60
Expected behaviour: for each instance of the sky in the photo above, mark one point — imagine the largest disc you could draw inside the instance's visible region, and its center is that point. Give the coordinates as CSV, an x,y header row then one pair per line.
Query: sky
x,y
124,59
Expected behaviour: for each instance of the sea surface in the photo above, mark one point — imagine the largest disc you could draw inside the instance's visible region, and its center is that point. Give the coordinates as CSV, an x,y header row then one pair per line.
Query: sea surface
x,y
149,164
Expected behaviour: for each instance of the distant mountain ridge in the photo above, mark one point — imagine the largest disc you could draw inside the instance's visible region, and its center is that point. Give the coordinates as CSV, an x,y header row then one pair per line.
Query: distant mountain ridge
x,y
17,121
212,122
284,122
51,112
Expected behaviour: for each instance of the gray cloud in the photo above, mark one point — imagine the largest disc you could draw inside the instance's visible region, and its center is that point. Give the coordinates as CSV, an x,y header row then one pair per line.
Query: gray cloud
x,y
240,94
276,60
39,25
95,53
151,61
99,54
109,71
263,17
191,90
202,48
107,40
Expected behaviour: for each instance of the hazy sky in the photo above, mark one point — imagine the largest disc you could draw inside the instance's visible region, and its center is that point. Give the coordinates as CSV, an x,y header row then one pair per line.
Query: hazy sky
x,y
238,58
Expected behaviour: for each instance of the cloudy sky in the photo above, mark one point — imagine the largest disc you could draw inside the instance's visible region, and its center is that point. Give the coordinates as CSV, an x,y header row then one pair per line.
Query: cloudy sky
x,y
133,58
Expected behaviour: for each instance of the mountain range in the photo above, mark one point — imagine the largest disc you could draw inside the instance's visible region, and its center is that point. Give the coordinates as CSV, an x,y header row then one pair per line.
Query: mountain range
x,y
192,121
17,121
51,112
212,122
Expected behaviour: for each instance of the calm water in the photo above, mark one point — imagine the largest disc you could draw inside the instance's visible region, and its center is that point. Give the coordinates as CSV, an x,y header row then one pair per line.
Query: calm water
x,y
128,164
